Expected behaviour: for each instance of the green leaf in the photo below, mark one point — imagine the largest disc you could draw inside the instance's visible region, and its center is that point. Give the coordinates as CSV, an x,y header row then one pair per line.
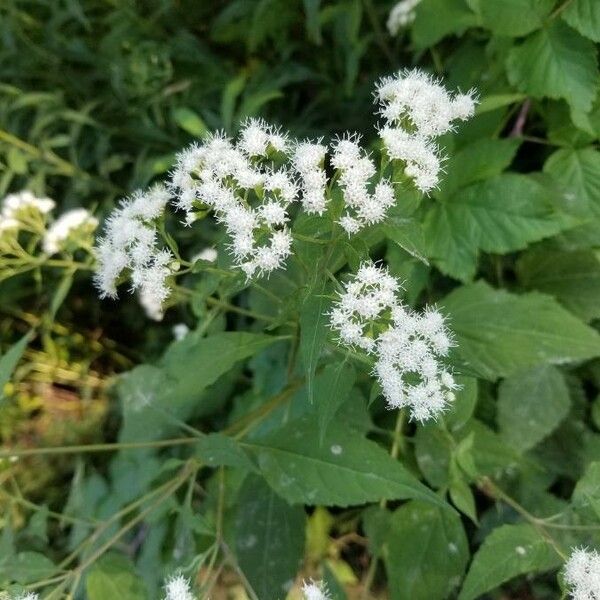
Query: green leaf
x,y
495,101
218,450
435,19
573,278
26,567
584,15
531,405
586,495
313,25
427,552
331,391
190,121
9,360
508,551
269,538
578,171
480,160
499,334
499,215
514,18
462,497
114,576
556,62
313,333
345,470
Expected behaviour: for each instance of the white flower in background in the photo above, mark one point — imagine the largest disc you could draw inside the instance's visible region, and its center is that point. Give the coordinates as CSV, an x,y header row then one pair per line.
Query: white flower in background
x,y
401,15
130,243
27,596
308,160
78,220
207,254
247,195
417,109
178,588
356,170
582,574
354,316
180,330
314,590
408,365
18,207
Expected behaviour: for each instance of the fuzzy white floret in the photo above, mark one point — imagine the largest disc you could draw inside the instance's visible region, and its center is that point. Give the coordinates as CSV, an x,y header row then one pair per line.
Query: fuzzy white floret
x,y
582,574
314,590
178,588
78,219
401,15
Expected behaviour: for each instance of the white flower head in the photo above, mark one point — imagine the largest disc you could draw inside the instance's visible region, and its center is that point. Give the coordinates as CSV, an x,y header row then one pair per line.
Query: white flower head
x,y
14,205
207,254
27,596
356,171
308,160
582,574
417,109
365,299
401,15
315,590
72,223
177,587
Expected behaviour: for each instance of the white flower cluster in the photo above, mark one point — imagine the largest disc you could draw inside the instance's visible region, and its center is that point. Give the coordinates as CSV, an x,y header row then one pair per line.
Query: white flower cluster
x,y
222,175
28,596
407,346
75,221
314,590
401,15
308,160
18,208
130,242
417,109
356,170
178,588
582,574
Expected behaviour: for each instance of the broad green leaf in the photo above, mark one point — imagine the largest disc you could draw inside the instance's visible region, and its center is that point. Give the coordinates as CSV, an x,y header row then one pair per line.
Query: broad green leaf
x,y
586,495
502,214
346,469
531,405
584,15
477,161
435,19
114,576
495,101
331,391
313,333
408,234
433,454
26,567
217,450
190,121
578,171
508,551
269,539
427,552
499,333
462,497
9,360
556,62
514,18
573,278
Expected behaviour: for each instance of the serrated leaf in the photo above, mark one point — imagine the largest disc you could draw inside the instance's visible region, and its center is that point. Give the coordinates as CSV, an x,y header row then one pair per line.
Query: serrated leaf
x,y
218,450
556,62
269,539
514,18
480,160
578,171
345,470
531,405
435,19
573,278
586,495
499,215
508,551
584,15
499,334
114,576
427,552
